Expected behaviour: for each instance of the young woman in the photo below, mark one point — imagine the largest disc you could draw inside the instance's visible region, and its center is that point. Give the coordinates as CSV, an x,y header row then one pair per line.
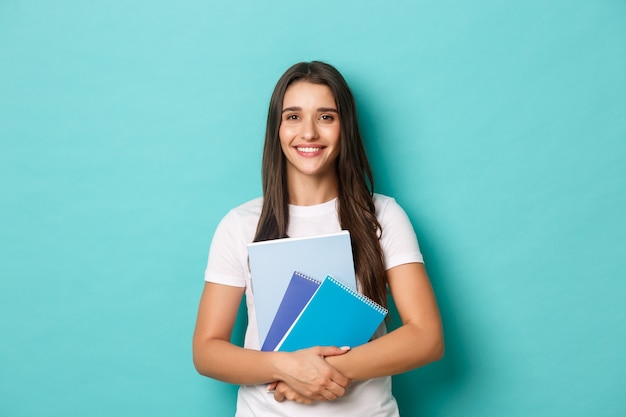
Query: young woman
x,y
317,180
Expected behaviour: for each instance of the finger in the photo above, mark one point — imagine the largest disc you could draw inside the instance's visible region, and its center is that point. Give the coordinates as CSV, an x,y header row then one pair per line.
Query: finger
x,y
278,396
301,399
336,377
328,395
335,390
332,350
272,387
284,393
293,396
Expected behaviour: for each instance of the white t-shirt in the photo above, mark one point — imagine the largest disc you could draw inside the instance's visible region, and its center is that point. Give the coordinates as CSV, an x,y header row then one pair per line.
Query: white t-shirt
x,y
228,264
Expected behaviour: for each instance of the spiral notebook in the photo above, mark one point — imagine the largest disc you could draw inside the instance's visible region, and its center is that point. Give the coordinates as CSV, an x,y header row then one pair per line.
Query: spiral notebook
x,y
300,290
336,315
273,262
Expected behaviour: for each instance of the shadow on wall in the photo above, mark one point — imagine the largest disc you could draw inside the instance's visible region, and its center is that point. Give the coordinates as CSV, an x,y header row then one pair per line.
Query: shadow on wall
x,y
425,389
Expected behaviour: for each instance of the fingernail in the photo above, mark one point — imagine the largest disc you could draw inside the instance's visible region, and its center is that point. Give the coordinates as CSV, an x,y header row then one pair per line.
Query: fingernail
x,y
345,348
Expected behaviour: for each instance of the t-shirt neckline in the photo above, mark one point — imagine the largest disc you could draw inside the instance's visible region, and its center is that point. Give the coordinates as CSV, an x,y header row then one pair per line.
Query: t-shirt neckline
x,y
314,210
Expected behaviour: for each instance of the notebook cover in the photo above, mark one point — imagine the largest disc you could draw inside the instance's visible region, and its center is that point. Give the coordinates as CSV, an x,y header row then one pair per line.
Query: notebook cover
x,y
300,290
273,262
336,315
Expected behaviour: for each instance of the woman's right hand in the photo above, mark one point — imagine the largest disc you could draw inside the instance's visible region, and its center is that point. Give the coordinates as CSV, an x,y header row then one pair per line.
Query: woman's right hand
x,y
310,376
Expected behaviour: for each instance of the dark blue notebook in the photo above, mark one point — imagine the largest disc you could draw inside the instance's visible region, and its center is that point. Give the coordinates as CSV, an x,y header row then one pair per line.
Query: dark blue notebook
x,y
300,290
336,315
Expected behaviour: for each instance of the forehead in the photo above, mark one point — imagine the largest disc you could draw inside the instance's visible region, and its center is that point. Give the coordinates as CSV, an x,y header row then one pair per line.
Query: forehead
x,y
306,94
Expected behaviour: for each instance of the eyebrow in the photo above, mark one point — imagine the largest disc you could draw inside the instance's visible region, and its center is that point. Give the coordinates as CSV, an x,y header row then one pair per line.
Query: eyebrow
x,y
321,109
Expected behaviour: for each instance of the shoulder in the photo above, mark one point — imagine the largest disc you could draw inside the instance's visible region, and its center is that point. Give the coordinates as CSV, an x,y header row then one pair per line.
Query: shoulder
x,y
251,208
398,239
242,220
389,213
381,200
386,206
228,257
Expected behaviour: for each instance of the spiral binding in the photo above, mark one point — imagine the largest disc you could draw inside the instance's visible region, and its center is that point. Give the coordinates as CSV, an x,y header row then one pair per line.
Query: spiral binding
x,y
382,310
300,274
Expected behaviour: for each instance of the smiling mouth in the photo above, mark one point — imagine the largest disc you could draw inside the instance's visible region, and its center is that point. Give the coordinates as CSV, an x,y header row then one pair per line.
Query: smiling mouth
x,y
308,149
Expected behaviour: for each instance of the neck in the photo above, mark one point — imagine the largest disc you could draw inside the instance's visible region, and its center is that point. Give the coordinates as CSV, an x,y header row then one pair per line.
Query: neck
x,y
309,191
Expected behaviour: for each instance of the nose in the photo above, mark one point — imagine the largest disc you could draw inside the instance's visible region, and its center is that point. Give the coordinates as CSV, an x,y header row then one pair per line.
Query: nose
x,y
309,129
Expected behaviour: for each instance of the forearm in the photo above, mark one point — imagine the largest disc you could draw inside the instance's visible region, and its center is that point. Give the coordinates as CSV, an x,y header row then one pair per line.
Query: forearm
x,y
305,371
226,362
401,350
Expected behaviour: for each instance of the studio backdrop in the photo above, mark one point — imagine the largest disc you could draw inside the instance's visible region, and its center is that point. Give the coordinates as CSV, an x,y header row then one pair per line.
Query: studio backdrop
x,y
129,128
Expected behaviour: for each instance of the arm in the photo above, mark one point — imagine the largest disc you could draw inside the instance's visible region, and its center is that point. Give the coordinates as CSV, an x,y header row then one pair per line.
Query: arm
x,y
215,356
417,342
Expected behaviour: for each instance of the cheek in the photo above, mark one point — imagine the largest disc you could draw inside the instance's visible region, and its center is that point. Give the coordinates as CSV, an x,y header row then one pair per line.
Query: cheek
x,y
335,134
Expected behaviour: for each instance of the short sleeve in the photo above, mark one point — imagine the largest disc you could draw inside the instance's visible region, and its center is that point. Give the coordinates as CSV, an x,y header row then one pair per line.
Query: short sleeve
x,y
398,240
227,263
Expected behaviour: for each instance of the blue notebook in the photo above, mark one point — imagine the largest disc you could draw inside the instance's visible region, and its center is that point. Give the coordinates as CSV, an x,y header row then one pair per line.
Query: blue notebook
x,y
336,315
300,290
273,262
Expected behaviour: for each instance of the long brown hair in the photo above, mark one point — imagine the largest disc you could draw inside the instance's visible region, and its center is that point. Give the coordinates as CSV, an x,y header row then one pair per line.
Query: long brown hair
x,y
355,179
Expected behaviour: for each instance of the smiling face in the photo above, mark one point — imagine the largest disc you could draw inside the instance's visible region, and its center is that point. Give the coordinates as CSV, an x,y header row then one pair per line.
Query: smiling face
x,y
310,131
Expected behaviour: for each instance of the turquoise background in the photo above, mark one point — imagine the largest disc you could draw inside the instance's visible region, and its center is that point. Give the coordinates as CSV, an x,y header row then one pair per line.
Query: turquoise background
x,y
129,128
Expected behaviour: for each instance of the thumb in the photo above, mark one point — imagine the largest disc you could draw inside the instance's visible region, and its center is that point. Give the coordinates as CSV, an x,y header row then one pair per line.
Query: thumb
x,y
332,350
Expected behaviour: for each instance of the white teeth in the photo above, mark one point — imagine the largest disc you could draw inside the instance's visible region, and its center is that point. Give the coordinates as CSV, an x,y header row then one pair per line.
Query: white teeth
x,y
308,149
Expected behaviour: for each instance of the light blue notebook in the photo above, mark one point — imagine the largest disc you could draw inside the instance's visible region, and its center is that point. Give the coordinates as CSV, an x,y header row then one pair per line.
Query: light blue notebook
x,y
336,315
273,262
